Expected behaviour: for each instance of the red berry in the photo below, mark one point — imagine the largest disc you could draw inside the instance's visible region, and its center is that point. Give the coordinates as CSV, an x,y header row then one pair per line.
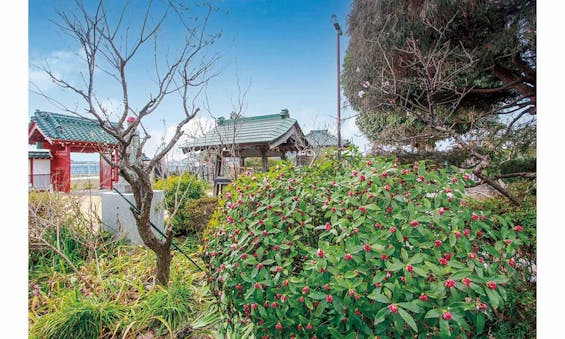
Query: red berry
x,y
301,299
518,228
446,316
393,308
472,256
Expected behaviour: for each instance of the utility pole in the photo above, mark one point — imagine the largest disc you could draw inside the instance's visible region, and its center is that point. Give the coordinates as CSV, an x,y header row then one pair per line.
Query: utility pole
x,y
339,34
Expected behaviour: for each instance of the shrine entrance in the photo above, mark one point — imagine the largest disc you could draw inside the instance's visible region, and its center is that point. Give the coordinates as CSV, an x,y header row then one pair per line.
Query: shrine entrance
x,y
63,134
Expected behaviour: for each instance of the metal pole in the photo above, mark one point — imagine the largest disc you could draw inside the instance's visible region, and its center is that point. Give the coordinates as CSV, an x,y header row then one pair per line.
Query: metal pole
x,y
338,101
339,33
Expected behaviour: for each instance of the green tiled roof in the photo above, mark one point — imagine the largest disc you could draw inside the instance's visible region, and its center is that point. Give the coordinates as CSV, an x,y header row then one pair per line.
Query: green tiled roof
x,y
65,127
263,129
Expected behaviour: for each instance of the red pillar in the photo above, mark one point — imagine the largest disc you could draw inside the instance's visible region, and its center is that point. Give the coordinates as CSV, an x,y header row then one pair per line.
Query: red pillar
x,y
61,168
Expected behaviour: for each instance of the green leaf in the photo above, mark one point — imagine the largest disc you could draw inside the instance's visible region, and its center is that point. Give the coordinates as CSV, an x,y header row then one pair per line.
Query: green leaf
x,y
404,255
416,259
444,331
268,262
408,318
378,297
318,295
411,307
433,313
480,323
381,315
493,297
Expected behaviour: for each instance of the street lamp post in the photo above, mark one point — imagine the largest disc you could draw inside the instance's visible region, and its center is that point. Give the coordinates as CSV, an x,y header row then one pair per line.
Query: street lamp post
x,y
339,34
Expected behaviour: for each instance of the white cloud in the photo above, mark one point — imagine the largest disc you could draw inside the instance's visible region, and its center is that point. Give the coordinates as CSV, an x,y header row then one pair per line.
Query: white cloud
x,y
64,64
194,128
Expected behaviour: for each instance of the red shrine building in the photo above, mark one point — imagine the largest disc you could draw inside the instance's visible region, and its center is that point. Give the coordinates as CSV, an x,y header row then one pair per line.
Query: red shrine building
x,y
62,134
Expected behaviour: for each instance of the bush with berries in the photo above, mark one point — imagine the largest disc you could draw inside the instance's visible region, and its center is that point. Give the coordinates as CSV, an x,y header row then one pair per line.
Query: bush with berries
x,y
363,249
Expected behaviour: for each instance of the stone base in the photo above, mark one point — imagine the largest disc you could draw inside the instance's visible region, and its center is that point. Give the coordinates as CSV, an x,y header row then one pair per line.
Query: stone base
x,y
117,218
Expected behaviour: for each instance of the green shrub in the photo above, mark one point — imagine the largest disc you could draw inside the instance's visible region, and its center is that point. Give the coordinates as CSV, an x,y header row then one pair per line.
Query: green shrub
x,y
517,319
194,216
179,191
373,249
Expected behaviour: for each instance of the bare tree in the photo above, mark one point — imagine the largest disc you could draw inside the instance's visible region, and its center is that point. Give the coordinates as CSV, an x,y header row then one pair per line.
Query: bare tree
x,y
113,43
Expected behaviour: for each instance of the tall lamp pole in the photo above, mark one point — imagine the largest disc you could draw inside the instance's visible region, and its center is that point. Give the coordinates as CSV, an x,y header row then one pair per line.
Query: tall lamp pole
x,y
339,34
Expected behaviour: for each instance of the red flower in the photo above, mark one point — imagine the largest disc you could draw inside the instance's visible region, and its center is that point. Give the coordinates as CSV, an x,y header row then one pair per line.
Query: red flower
x,y
446,315
259,266
278,269
367,248
475,216
301,299
257,285
308,327
508,241
362,209
285,282
450,283
512,262
328,226
387,187
409,268
278,326
423,297
329,298
448,256
130,120
254,306
274,305
457,234
414,223
299,327
467,232
327,287
305,290
482,307
351,293
437,243
392,229
472,256
348,256
383,256
491,285
441,211
518,228
393,308
443,261
320,253
467,282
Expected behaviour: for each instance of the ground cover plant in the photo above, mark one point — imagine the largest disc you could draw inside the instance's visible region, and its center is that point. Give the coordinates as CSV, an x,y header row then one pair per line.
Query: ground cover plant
x,y
363,249
83,283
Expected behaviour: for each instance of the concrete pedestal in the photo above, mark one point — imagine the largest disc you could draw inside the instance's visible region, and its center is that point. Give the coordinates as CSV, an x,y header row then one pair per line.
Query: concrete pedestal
x,y
118,219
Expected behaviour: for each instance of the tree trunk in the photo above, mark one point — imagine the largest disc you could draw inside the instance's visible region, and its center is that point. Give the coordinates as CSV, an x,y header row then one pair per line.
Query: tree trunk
x,y
163,268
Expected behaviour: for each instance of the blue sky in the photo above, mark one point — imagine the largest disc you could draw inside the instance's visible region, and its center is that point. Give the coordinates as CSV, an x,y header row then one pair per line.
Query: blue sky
x,y
283,51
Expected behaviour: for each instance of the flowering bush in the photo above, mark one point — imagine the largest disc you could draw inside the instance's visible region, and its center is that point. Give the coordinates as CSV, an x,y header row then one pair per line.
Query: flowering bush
x,y
368,249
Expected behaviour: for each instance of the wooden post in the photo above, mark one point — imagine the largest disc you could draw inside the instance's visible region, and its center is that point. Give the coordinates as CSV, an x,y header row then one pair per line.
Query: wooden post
x,y
283,155
264,160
